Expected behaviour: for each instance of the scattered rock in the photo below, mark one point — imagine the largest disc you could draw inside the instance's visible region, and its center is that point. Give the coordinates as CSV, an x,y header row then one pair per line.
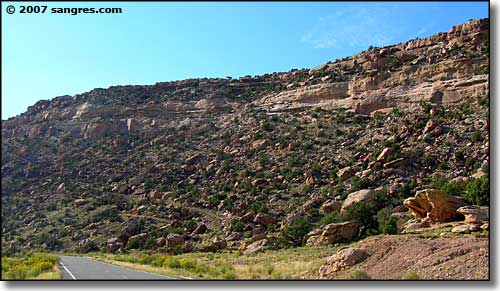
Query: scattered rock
x,y
86,246
431,124
161,241
331,206
310,180
464,228
314,202
333,233
264,219
174,240
343,259
345,173
384,155
132,226
80,202
361,196
256,247
248,217
201,228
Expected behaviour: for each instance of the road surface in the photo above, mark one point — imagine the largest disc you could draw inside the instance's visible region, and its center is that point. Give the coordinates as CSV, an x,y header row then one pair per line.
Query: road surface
x,y
80,268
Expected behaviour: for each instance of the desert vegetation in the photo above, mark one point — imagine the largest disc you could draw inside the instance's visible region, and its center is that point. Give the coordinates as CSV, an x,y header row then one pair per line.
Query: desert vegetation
x,y
31,266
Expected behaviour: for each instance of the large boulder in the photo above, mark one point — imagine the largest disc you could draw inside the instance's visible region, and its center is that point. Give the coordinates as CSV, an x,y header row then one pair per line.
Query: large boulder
x,y
333,233
174,240
251,240
314,202
193,159
264,219
475,214
122,189
361,196
217,244
87,245
80,202
341,260
113,245
345,173
331,205
133,125
247,217
201,228
132,226
434,205
256,247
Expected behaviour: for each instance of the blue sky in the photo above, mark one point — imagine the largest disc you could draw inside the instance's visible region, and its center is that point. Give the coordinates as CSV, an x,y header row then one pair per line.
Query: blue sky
x,y
48,55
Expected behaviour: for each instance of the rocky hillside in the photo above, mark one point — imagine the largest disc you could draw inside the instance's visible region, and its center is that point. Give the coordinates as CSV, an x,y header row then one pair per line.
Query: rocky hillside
x,y
311,157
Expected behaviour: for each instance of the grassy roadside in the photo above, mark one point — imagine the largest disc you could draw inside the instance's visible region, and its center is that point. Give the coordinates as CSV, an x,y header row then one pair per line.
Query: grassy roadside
x,y
31,266
293,263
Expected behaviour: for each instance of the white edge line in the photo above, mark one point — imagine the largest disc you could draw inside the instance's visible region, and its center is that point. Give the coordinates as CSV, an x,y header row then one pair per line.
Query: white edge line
x,y
66,269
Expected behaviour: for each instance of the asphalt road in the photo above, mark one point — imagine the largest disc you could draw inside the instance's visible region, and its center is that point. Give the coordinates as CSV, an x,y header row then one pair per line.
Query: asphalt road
x,y
80,268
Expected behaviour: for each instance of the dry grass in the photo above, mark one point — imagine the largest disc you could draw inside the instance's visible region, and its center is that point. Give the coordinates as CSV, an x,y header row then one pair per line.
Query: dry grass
x,y
293,263
55,274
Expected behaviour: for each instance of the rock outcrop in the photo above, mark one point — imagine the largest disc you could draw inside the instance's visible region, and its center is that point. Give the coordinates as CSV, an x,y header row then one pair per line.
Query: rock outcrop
x,y
477,216
443,75
434,206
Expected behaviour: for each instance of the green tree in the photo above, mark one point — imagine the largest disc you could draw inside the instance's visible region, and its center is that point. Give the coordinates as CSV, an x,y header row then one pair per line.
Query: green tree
x,y
297,230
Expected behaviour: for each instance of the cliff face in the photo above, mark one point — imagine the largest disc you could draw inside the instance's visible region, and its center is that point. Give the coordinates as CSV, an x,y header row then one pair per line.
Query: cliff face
x,y
210,164
442,69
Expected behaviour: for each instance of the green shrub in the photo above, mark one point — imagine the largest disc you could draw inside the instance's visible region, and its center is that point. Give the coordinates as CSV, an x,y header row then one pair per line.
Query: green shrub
x,y
359,275
306,189
477,191
438,181
259,207
386,223
157,260
411,276
188,264
358,183
28,266
39,267
229,276
453,189
150,243
145,259
390,227
238,225
279,243
201,268
296,231
333,217
171,262
125,258
19,272
366,215
135,243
